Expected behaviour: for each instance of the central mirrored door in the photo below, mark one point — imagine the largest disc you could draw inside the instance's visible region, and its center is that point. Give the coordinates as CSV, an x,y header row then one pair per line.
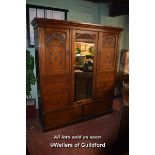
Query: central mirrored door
x,y
84,66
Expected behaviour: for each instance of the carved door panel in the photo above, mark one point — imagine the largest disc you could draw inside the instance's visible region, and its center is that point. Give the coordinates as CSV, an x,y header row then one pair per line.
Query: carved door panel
x,y
106,64
55,70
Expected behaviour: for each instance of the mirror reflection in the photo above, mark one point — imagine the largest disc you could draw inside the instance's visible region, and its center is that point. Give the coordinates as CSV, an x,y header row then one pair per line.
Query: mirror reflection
x,y
83,69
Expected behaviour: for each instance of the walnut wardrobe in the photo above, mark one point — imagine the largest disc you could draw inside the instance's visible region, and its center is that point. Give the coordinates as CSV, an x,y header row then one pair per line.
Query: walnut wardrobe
x,y
67,92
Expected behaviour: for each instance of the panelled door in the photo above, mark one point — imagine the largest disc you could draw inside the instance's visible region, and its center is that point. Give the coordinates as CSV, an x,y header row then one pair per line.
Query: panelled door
x,y
55,60
106,64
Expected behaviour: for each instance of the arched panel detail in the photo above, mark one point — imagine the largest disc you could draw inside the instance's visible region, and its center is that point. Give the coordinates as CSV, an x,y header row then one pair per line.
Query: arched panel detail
x,y
108,41
55,36
85,36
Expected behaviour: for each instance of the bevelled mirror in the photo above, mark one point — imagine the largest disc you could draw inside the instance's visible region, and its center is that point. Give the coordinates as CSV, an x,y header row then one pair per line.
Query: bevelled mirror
x,y
83,66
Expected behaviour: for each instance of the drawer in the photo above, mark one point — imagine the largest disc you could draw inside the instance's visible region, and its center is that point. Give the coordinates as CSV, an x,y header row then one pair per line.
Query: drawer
x,y
98,107
60,117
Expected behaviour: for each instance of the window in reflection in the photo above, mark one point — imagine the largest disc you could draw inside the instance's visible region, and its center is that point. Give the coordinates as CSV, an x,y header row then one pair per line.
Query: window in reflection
x,y
83,70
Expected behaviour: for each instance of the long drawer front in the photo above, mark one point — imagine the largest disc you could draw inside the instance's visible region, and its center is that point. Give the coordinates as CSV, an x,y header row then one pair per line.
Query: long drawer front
x,y
60,117
98,107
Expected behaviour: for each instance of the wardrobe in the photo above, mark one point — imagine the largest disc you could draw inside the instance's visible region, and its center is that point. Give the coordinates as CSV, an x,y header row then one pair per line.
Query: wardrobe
x,y
67,92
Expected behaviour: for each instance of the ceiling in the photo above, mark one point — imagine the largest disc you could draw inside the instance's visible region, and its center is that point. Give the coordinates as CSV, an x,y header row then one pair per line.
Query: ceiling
x,y
116,7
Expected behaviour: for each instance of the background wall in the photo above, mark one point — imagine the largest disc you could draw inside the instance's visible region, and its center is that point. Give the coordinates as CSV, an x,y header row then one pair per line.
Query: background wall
x,y
88,12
